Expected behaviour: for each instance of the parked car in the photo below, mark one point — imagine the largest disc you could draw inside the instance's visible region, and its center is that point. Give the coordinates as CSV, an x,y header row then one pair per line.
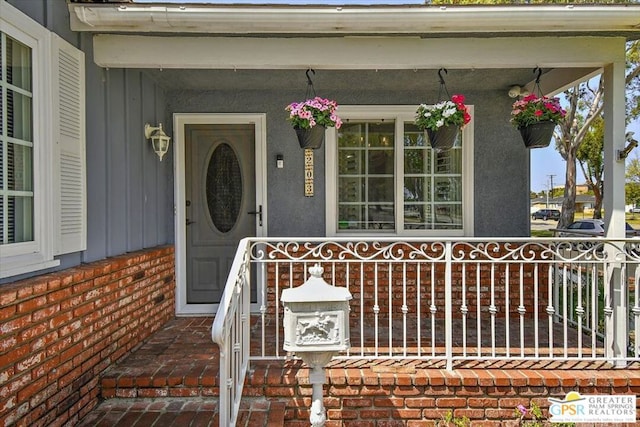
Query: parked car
x,y
546,214
591,227
634,209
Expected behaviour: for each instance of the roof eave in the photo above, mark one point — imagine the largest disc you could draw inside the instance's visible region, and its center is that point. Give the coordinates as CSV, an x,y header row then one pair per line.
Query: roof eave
x,y
369,21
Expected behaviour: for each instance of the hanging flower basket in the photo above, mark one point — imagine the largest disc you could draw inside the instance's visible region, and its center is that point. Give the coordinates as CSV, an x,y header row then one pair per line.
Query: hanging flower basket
x,y
537,135
443,138
312,116
442,122
311,137
537,116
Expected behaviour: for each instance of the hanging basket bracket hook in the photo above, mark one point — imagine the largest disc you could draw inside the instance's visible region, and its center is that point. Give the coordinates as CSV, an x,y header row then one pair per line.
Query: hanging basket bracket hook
x,y
440,75
310,70
443,86
310,88
538,70
536,86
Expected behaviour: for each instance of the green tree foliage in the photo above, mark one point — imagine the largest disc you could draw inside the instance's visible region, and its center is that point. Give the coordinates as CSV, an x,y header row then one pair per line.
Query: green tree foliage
x,y
633,80
591,161
632,187
632,193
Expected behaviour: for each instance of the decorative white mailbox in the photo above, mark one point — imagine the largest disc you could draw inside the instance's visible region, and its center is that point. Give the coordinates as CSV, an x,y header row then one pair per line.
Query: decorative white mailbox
x,y
316,316
316,326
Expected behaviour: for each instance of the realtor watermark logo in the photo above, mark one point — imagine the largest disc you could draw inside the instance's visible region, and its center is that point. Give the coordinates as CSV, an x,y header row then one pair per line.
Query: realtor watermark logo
x,y
620,408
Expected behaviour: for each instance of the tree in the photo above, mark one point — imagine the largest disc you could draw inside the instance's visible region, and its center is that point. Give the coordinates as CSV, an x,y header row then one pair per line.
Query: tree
x,y
584,107
591,162
632,186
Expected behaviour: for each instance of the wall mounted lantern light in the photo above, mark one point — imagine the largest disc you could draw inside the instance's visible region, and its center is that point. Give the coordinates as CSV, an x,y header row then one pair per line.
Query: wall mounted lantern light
x,y
159,139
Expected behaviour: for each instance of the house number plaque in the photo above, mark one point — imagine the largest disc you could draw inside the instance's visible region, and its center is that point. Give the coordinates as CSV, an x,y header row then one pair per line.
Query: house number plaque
x,y
308,172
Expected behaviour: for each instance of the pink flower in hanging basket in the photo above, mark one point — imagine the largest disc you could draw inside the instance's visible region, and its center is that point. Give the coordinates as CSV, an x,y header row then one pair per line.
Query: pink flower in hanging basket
x,y
533,109
313,112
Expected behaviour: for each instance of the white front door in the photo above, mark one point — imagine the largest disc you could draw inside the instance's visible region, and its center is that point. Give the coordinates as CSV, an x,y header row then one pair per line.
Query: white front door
x,y
218,201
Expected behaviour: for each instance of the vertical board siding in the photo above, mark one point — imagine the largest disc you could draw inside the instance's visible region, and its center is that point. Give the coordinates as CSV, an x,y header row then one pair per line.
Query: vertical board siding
x,y
96,164
135,173
151,164
117,185
130,191
164,205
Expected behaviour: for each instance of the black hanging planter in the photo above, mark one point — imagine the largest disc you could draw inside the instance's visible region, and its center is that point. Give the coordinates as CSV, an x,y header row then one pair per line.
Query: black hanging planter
x,y
444,138
310,138
537,135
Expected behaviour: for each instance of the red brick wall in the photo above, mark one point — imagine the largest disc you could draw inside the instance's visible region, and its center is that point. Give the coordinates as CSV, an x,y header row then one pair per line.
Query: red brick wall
x,y
407,395
61,330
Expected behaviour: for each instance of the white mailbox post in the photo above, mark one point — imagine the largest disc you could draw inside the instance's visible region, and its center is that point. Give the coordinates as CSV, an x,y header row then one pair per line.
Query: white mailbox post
x,y
316,326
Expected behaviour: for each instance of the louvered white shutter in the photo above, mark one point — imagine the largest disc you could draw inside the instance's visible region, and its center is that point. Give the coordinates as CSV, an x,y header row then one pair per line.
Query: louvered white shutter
x,y
68,123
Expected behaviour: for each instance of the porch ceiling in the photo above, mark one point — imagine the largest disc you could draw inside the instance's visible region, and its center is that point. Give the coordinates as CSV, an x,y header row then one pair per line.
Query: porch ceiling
x,y
458,80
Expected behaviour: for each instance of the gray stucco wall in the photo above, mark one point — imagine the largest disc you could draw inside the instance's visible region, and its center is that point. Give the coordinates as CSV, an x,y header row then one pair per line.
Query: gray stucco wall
x,y
129,192
501,161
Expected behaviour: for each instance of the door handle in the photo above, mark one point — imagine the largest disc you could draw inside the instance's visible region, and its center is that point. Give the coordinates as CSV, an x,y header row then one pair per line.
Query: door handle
x,y
259,213
189,222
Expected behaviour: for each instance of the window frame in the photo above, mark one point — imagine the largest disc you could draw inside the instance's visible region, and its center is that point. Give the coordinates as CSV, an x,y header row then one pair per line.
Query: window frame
x,y
400,114
25,257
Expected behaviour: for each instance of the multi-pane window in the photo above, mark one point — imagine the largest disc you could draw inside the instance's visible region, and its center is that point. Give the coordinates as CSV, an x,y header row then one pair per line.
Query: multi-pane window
x,y
16,142
432,184
366,176
388,179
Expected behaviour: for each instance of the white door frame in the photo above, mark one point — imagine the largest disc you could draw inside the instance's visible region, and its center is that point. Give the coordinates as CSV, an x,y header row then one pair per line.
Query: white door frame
x,y
179,122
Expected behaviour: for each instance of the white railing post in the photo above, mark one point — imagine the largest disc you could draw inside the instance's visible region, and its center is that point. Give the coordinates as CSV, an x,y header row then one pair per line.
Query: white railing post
x,y
448,309
230,330
620,312
615,307
636,310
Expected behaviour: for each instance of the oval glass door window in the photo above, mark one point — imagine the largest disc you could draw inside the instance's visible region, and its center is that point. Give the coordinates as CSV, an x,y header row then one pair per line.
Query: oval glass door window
x,y
224,188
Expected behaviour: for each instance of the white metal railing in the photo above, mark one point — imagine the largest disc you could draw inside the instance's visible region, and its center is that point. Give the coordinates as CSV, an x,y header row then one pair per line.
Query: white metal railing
x,y
230,330
560,299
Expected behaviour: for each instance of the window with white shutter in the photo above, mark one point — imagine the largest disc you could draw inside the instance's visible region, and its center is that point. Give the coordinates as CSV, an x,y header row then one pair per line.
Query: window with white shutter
x,y
69,147
42,146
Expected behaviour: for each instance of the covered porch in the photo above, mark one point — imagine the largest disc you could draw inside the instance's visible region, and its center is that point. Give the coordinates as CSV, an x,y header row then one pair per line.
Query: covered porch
x,y
440,300
244,64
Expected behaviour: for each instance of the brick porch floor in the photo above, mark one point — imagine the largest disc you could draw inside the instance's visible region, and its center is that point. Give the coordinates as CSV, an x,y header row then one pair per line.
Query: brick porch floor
x,y
171,380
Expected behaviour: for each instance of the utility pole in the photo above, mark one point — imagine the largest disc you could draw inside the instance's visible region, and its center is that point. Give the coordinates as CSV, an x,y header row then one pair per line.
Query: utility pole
x,y
547,204
551,178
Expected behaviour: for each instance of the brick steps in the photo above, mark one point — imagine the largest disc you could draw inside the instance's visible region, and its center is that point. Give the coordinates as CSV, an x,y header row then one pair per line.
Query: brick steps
x,y
415,393
180,362
181,412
